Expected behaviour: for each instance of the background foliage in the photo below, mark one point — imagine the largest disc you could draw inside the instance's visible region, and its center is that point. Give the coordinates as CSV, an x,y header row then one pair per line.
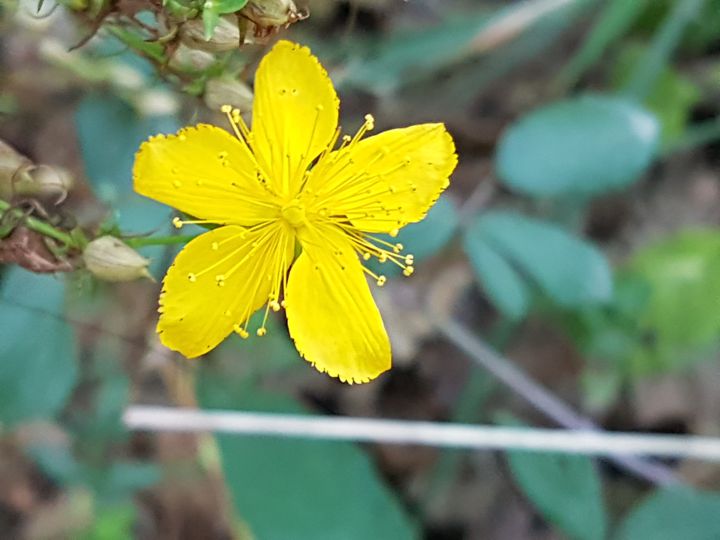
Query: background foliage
x,y
579,236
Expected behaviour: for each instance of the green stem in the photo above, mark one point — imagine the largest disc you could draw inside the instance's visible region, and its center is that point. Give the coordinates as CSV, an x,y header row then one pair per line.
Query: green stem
x,y
158,240
40,226
664,42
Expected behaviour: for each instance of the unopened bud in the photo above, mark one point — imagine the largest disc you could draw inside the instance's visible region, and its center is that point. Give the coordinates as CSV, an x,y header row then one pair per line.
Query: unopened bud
x,y
14,167
226,91
44,181
226,36
272,13
186,59
110,259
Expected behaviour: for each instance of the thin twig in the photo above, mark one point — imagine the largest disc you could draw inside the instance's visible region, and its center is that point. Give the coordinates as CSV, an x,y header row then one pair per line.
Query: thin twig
x,y
588,442
544,401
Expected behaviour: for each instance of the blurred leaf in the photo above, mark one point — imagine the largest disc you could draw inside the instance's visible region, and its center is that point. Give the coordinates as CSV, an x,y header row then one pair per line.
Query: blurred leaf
x,y
304,489
663,44
238,363
57,462
211,18
565,489
671,98
501,282
109,157
424,238
616,18
37,347
680,321
679,514
570,271
230,6
112,523
583,146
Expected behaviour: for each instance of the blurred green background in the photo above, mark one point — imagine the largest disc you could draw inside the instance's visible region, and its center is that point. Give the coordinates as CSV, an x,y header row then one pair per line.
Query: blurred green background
x,y
580,237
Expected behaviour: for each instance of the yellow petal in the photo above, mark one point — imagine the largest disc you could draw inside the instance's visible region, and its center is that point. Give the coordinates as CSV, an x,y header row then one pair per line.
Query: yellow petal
x,y
217,281
205,172
295,114
386,181
331,314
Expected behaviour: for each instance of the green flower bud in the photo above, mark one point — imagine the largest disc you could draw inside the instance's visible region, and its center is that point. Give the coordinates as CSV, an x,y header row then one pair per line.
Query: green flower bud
x,y
225,38
110,259
14,168
226,91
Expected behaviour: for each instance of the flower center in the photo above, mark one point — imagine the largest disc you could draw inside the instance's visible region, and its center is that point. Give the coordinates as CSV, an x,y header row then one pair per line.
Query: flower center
x,y
294,214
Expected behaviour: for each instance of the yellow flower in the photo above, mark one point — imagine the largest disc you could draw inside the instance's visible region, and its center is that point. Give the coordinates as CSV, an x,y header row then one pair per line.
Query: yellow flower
x,y
281,190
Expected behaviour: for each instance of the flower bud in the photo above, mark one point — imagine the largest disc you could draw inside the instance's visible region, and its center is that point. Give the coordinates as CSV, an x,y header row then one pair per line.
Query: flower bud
x,y
270,13
186,59
226,91
226,36
110,259
13,168
43,181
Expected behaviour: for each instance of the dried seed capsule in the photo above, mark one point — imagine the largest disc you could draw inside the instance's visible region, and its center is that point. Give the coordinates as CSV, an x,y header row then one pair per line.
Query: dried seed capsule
x,y
110,259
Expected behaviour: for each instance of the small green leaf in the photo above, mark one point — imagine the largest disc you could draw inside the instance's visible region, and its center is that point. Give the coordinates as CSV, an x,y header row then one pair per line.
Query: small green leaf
x,y
582,146
211,18
570,271
501,282
230,6
37,347
565,489
677,514
680,320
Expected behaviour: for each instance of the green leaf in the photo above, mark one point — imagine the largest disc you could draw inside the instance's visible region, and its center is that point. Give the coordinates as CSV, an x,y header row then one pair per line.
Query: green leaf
x,y
503,285
230,6
616,18
112,523
680,321
304,489
671,98
582,146
677,514
37,347
109,159
211,18
565,489
570,271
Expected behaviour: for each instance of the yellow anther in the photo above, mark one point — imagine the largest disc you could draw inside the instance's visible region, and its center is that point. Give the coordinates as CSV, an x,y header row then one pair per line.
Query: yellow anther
x,y
408,271
409,259
275,305
177,222
346,138
240,331
226,109
366,256
369,121
192,278
381,281
282,304
383,257
261,331
397,248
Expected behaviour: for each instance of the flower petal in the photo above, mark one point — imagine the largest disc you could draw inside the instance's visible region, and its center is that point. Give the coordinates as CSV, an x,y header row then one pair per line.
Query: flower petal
x,y
331,314
205,172
295,114
196,313
386,181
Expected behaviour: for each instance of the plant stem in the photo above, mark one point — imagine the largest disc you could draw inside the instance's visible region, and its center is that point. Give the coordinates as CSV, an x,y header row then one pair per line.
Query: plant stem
x,y
158,240
39,226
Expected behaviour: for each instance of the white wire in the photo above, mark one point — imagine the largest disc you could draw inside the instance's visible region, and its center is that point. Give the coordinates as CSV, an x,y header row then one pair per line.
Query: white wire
x,y
422,433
